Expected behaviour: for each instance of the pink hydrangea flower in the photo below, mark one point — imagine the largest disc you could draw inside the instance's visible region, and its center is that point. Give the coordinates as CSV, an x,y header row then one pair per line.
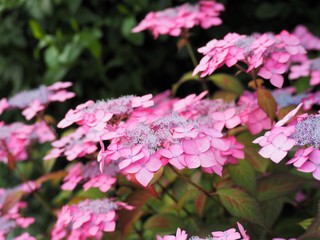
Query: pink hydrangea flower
x,y
36,100
91,176
13,219
173,21
101,114
182,134
268,54
16,137
307,39
312,165
180,235
87,219
278,148
79,143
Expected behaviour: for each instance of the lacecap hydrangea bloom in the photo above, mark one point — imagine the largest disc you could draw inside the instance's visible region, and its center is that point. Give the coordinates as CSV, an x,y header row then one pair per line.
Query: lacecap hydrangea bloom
x,y
301,133
172,21
36,100
87,219
230,234
267,54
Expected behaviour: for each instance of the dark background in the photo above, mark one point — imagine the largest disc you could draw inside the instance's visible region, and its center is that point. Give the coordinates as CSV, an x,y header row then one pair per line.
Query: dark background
x,y
90,43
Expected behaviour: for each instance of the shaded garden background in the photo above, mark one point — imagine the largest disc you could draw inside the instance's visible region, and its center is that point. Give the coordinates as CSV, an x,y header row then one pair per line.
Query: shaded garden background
x,y
90,43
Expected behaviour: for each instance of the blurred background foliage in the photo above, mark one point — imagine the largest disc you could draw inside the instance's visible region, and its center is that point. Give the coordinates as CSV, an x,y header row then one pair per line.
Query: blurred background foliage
x,y
90,42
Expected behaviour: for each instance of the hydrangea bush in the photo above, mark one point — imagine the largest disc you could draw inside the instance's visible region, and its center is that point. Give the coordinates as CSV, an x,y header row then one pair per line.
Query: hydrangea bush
x,y
209,165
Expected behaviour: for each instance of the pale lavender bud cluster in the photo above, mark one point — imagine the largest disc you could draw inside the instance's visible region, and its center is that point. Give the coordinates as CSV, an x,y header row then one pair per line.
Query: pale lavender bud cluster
x,y
24,98
116,106
98,206
153,135
7,225
308,131
285,99
315,64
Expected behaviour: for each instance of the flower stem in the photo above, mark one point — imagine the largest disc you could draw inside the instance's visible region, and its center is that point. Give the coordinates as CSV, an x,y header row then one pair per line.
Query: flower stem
x,y
172,197
35,194
191,52
190,182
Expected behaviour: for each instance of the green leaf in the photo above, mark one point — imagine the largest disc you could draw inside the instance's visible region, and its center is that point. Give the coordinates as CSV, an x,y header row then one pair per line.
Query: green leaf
x,y
278,185
36,29
227,82
163,223
243,174
70,53
271,210
187,195
266,102
313,230
127,25
306,223
259,163
185,78
51,56
74,5
302,84
241,204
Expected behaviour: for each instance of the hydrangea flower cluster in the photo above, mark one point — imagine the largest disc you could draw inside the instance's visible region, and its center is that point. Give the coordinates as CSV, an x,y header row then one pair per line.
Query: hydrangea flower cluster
x,y
79,143
307,39
304,66
173,21
310,67
87,219
186,135
302,132
36,100
100,114
267,54
11,219
230,234
90,175
287,97
15,137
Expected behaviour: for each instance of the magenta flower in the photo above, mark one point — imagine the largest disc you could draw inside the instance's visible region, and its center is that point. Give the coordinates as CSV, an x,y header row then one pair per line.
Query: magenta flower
x,y
173,21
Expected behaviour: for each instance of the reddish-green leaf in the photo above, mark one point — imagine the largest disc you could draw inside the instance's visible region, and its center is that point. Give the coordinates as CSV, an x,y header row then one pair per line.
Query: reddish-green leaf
x,y
243,174
277,185
266,102
200,203
313,230
10,200
126,218
241,204
163,223
54,176
227,82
